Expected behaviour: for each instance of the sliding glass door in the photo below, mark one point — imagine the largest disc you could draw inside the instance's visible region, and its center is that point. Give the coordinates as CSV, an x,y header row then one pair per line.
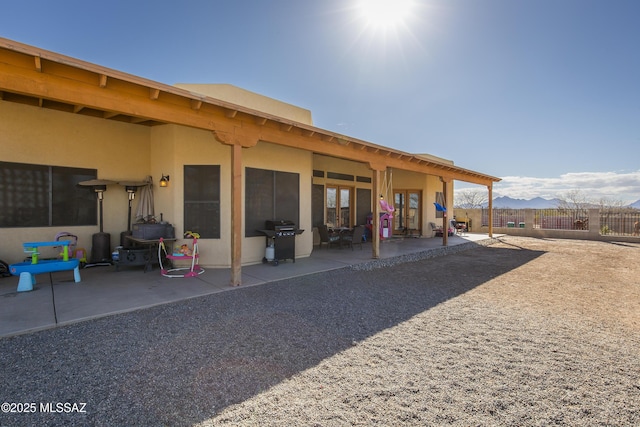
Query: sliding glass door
x,y
339,210
406,217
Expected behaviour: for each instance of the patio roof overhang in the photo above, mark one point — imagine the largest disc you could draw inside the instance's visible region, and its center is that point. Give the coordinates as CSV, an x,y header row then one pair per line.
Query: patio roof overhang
x,y
37,77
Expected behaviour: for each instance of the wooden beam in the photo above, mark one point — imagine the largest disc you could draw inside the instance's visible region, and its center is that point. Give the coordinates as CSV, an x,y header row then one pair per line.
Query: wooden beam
x,y
260,121
110,114
154,94
77,108
38,63
196,104
238,136
132,99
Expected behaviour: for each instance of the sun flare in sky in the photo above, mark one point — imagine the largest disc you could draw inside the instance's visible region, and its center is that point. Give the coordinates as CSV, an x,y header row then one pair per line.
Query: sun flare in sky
x,y
385,14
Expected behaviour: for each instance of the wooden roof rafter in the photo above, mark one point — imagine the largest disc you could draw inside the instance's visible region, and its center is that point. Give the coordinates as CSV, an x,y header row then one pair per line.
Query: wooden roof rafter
x,y
110,114
230,113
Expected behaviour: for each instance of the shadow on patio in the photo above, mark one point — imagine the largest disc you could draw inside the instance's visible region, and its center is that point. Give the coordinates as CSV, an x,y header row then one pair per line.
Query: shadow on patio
x,y
181,363
57,300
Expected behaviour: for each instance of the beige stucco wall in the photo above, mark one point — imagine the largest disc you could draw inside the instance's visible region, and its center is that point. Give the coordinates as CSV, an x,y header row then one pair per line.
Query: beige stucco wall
x,y
126,152
396,179
342,166
119,152
429,185
275,157
173,147
254,101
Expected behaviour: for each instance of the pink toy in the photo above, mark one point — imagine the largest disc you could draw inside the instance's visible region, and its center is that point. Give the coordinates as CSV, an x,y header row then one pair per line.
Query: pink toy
x,y
387,207
184,254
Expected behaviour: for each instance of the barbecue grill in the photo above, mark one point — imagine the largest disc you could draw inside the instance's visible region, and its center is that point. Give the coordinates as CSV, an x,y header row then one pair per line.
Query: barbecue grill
x,y
281,240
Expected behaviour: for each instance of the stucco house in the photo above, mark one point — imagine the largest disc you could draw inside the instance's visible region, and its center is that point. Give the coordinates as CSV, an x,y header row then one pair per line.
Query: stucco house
x,y
233,159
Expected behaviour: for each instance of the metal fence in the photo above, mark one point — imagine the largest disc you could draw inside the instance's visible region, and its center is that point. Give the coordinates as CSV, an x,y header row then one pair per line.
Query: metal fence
x,y
561,219
616,223
613,222
504,217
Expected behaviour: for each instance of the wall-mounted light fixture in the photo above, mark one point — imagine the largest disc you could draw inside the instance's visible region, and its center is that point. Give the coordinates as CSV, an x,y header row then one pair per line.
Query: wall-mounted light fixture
x,y
164,181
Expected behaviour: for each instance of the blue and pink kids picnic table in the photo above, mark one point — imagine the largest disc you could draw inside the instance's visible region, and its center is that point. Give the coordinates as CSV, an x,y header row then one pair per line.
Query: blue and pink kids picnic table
x,y
27,270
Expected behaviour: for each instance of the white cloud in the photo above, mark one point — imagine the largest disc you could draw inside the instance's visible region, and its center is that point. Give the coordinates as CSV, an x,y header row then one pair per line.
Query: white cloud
x,y
623,186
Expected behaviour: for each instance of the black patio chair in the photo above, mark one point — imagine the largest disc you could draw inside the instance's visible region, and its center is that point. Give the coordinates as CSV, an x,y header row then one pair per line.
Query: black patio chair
x,y
354,238
327,238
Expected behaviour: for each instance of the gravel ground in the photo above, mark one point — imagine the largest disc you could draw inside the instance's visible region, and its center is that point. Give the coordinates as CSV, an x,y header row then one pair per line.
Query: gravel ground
x,y
522,332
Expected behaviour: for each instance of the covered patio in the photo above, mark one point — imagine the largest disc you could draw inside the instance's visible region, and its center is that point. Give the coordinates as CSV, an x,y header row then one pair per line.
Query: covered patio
x,y
57,300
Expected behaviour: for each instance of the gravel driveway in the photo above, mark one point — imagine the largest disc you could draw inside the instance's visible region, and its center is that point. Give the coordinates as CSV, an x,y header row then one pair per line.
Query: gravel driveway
x,y
522,332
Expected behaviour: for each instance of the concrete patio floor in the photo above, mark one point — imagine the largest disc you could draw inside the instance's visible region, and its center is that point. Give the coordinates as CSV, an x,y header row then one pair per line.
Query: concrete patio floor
x,y
57,300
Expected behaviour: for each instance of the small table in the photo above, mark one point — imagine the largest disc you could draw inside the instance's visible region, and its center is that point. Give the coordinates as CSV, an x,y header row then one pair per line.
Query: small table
x,y
28,269
341,230
151,245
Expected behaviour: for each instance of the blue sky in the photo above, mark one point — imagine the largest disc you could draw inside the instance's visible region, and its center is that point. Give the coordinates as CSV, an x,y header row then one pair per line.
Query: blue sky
x,y
542,93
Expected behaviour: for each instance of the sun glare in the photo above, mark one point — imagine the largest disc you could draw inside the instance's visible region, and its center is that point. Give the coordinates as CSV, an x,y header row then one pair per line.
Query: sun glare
x,y
385,14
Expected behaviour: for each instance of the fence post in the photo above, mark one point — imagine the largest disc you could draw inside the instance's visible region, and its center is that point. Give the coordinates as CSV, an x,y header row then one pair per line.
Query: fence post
x,y
528,218
594,223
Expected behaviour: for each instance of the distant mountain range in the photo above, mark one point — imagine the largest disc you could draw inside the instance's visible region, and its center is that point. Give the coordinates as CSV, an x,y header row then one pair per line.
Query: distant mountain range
x,y
535,203
635,204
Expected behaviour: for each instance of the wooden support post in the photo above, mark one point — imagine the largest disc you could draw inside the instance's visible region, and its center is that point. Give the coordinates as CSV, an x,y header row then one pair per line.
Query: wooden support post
x,y
237,140
375,221
490,188
445,215
236,215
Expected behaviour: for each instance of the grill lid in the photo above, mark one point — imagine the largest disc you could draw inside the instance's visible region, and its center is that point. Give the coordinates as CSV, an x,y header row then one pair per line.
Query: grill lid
x,y
280,224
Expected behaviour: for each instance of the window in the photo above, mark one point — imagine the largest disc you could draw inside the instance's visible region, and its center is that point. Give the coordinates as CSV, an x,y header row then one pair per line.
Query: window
x,y
270,195
45,196
202,200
